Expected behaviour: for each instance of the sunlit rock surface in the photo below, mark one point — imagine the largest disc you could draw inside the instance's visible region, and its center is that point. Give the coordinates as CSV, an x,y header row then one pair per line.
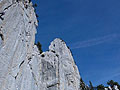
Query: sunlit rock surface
x,y
21,65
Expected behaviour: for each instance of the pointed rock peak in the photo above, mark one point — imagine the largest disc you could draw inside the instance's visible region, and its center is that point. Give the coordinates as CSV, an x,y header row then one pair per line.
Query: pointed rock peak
x,y
57,41
59,46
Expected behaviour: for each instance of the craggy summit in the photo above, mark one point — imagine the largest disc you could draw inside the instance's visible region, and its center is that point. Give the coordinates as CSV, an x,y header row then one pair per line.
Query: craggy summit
x,y
22,67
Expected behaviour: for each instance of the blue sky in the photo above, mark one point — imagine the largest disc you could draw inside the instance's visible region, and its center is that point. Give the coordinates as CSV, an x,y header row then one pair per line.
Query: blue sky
x,y
91,28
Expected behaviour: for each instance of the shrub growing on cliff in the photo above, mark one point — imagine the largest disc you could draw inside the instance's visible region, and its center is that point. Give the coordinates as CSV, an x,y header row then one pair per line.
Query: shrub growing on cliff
x,y
100,87
91,86
82,84
39,47
34,5
29,1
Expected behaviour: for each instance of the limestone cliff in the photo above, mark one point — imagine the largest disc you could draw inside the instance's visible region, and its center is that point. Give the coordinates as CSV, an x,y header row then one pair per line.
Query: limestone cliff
x,y
22,67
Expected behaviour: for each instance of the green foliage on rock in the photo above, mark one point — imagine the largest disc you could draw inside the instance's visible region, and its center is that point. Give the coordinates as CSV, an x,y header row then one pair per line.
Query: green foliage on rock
x,y
112,83
91,86
39,47
100,87
35,5
82,84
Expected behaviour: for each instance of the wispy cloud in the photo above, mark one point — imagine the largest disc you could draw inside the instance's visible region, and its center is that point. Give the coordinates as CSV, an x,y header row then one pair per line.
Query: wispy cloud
x,y
94,41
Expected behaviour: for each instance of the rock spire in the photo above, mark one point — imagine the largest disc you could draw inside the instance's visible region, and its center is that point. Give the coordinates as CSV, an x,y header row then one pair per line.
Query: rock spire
x,y
22,67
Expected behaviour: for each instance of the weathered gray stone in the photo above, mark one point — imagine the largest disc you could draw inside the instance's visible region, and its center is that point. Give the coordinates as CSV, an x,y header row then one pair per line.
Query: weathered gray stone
x,y
22,67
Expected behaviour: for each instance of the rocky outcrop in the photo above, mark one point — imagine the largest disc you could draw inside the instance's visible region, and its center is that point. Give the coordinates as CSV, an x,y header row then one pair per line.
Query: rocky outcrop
x,y
22,67
115,87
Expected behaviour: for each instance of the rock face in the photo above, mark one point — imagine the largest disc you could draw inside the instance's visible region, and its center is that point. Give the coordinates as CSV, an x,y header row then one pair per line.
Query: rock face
x,y
22,67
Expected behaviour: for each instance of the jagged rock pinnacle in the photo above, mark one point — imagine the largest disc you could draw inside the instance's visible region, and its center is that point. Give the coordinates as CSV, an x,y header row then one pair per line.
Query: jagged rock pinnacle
x,y
59,46
22,67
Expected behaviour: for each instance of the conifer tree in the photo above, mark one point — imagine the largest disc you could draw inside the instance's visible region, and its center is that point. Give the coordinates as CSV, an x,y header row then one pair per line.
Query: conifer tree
x,y
91,86
100,87
39,47
112,83
82,84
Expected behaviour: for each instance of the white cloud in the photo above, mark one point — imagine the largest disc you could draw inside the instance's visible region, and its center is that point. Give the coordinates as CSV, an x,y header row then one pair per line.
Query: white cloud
x,y
94,41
